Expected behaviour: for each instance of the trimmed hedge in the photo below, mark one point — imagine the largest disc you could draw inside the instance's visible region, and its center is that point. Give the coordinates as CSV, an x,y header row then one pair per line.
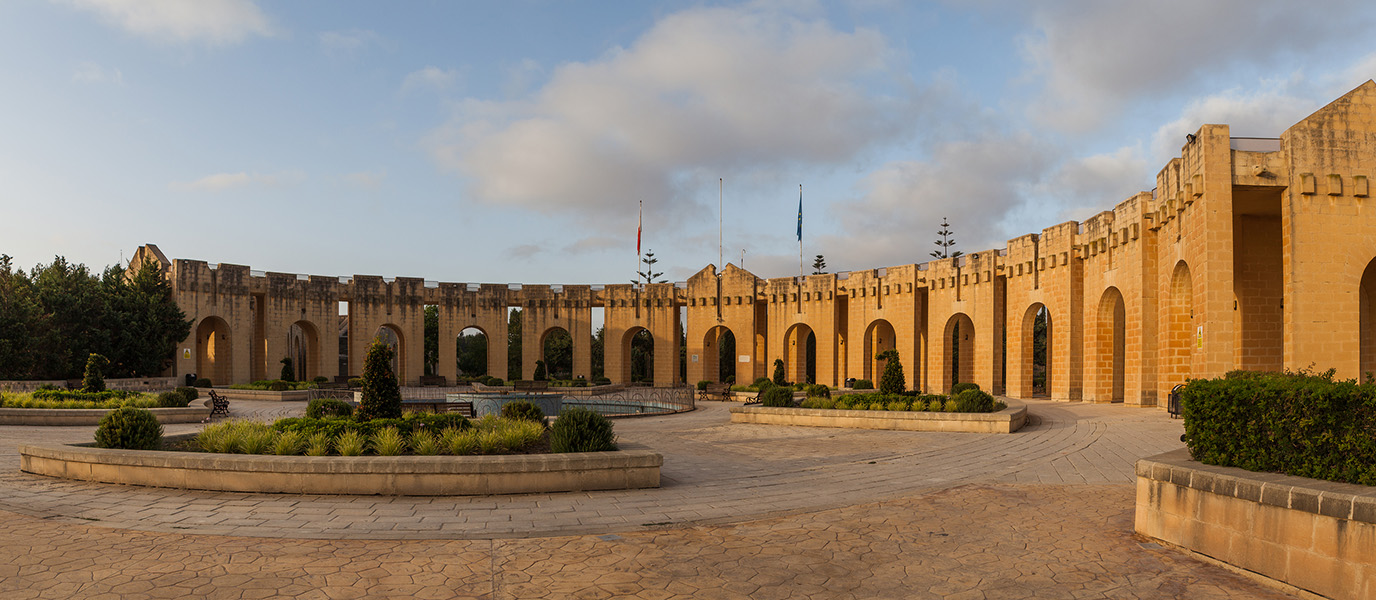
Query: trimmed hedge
x,y
322,408
777,396
960,387
581,430
1301,424
412,422
129,429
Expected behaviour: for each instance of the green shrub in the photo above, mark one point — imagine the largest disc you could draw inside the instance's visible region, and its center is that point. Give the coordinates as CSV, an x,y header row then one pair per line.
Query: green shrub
x,y
321,408
702,385
319,379
540,374
522,410
388,441
203,383
892,381
288,443
356,382
818,391
862,384
777,396
581,430
46,387
94,378
877,405
257,440
730,379
780,378
171,400
381,395
350,443
897,405
960,387
318,444
818,402
129,429
425,443
189,394
459,442
288,373
973,401
1301,424
950,406
97,397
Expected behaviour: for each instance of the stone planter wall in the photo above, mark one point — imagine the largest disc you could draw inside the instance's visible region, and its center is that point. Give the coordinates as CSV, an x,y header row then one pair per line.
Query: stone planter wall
x,y
1318,536
355,475
70,417
263,395
1007,420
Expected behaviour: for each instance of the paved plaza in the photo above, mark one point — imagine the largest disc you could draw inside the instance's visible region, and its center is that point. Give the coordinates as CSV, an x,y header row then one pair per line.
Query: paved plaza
x,y
745,511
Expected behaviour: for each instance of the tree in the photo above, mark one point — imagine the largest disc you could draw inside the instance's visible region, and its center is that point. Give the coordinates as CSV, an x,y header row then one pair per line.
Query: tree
x,y
25,337
288,373
642,356
472,351
76,303
558,354
819,265
780,377
144,321
513,345
540,371
893,380
598,351
381,395
431,349
649,273
943,245
726,356
94,379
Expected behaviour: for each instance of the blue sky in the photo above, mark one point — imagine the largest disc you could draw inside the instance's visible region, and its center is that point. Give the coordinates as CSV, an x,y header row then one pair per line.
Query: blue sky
x,y
512,141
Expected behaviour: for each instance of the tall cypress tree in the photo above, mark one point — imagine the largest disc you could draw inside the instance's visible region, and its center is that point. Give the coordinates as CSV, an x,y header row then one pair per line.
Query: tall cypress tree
x,y
381,395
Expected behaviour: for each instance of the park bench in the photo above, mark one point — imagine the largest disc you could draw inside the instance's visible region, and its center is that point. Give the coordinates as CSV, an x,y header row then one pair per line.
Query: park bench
x,y
714,390
525,385
433,381
219,405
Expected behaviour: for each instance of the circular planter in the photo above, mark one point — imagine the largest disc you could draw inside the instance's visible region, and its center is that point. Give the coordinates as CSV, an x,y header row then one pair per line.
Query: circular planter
x,y
628,468
71,417
1008,420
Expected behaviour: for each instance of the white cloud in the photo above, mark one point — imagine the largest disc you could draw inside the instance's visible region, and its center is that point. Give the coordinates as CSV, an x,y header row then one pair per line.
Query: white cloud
x,y
90,72
1265,111
348,41
430,77
704,93
1091,57
1082,187
210,21
367,179
220,182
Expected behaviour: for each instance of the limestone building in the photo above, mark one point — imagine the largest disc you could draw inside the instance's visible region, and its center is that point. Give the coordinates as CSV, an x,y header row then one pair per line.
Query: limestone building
x,y
1248,254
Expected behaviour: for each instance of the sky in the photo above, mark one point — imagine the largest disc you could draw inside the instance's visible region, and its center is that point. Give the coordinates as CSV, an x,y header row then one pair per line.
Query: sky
x,y
516,141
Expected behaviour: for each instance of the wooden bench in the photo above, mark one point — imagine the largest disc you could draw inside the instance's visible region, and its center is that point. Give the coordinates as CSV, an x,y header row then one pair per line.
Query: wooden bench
x,y
531,386
433,380
438,406
219,405
714,390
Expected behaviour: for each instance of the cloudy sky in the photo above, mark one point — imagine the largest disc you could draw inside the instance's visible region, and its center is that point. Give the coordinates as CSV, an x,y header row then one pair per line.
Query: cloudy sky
x,y
513,141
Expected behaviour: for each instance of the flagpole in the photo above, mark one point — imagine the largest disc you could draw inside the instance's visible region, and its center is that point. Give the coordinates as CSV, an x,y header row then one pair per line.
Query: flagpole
x,y
721,224
800,230
639,225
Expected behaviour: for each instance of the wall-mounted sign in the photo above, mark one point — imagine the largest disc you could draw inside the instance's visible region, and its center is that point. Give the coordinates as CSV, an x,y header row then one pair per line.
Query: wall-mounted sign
x,y
186,354
695,358
745,358
1199,337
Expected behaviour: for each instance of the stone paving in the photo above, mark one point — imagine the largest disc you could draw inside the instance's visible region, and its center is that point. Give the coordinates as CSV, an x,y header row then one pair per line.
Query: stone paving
x,y
746,511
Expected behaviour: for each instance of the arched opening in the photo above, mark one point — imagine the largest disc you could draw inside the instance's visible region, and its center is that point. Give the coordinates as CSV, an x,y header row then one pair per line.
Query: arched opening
x,y
1367,299
214,360
879,336
557,352
1109,342
719,355
472,352
800,354
1036,351
958,347
639,346
1179,327
303,348
391,335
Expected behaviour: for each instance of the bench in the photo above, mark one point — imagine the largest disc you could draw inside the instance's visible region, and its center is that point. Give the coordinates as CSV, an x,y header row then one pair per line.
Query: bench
x,y
219,405
438,406
525,385
714,390
433,380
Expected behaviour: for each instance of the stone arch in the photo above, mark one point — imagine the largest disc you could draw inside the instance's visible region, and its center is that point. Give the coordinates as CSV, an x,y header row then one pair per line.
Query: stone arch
x,y
879,336
637,339
303,348
391,335
958,348
557,354
1179,339
1034,368
719,354
214,359
1108,365
1366,292
472,351
800,364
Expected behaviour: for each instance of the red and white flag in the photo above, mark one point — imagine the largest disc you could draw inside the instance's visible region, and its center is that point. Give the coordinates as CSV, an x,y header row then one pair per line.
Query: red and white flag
x,y
638,225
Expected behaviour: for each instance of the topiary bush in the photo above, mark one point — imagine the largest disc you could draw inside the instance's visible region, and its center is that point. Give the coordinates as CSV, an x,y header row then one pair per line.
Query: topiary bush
x,y
190,394
94,378
777,396
960,387
323,408
288,373
862,384
973,401
318,379
203,383
522,410
279,385
129,429
581,430
893,381
818,390
540,373
602,381
172,400
702,385
381,395
779,376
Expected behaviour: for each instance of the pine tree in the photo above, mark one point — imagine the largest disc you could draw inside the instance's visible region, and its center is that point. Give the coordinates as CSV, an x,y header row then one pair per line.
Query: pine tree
x,y
944,244
893,381
819,266
94,380
381,395
780,378
649,274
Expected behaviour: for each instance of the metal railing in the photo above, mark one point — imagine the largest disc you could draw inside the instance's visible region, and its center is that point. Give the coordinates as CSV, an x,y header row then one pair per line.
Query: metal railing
x,y
608,400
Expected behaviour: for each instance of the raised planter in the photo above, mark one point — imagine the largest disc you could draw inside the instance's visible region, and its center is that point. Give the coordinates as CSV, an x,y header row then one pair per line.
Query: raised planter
x,y
1314,535
265,395
628,468
1007,420
67,417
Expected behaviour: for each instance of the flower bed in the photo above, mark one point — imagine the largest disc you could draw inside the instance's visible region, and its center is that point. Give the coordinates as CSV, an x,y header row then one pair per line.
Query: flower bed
x,y
67,408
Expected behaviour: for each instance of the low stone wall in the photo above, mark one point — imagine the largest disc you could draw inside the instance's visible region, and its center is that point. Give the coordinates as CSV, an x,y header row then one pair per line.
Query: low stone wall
x,y
628,468
1007,420
71,417
263,395
137,384
1314,535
